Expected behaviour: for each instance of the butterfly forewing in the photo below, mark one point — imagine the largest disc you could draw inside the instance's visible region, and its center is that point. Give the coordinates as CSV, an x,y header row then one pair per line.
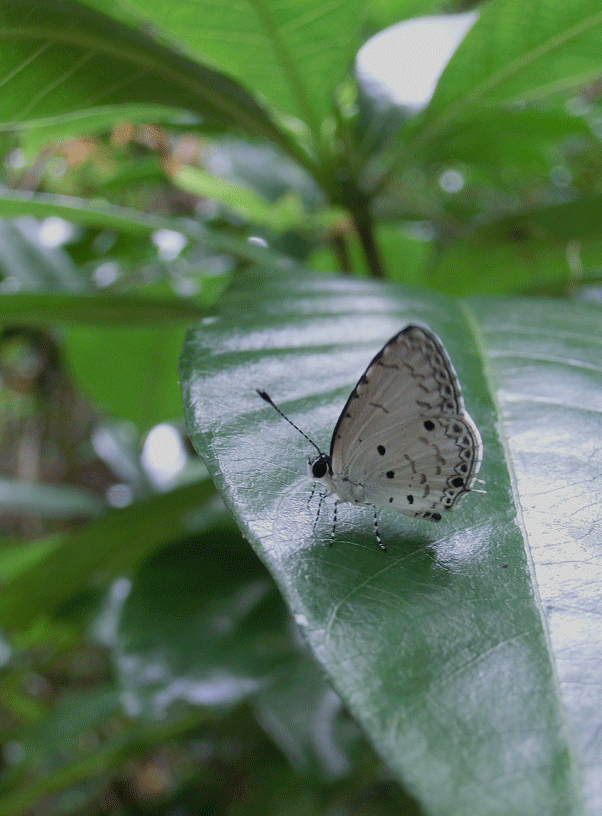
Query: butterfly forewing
x,y
404,434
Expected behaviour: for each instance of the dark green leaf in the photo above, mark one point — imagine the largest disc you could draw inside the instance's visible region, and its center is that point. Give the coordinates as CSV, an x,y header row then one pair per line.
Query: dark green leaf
x,y
219,632
552,224
498,140
457,648
118,541
114,751
307,720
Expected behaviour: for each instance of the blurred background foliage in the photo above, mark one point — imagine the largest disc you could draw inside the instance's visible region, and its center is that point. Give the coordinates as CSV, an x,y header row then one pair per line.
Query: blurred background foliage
x,y
148,662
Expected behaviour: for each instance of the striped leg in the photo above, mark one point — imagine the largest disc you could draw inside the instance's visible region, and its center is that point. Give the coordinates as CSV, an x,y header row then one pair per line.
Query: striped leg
x,y
376,533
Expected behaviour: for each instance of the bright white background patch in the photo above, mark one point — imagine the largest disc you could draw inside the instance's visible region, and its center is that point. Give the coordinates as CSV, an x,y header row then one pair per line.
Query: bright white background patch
x,y
408,58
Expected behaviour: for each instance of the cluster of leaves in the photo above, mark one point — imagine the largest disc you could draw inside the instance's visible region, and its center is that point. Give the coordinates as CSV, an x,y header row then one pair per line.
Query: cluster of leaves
x,y
150,661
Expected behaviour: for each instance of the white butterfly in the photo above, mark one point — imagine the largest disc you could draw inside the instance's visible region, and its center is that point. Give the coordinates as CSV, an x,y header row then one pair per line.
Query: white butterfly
x,y
403,439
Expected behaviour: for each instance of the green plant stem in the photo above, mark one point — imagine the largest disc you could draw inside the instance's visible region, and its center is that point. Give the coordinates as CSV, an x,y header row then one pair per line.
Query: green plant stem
x,y
341,250
365,230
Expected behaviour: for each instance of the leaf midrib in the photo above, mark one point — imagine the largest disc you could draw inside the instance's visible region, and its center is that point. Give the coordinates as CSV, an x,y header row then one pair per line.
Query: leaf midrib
x,y
119,50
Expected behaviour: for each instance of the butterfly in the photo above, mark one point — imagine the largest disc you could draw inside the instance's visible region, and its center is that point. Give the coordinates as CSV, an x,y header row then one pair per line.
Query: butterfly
x,y
404,439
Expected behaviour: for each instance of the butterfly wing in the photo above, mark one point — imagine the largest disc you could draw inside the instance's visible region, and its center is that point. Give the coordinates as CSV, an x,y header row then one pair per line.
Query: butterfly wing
x,y
404,439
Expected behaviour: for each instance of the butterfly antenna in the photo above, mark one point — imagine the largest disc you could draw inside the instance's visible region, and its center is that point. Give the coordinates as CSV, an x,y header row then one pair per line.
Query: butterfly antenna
x,y
265,396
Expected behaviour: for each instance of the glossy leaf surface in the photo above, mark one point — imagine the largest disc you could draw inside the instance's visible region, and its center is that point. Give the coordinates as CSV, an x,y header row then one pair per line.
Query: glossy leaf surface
x,y
460,649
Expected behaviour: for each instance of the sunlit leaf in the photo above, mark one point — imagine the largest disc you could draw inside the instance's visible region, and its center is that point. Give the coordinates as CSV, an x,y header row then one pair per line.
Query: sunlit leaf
x,y
64,60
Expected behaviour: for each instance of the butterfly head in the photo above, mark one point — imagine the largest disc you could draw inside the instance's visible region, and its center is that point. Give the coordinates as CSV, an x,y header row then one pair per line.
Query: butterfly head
x,y
320,466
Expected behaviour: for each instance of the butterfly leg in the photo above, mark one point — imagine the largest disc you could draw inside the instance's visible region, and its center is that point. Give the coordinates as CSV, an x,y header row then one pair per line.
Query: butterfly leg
x,y
376,533
334,523
311,495
322,497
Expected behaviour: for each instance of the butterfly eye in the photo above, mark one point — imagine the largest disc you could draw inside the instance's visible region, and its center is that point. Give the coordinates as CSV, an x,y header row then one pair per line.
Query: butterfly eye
x,y
319,467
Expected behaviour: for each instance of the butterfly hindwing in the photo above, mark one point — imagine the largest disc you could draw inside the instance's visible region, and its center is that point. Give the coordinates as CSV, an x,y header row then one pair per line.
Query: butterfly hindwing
x,y
404,435
435,468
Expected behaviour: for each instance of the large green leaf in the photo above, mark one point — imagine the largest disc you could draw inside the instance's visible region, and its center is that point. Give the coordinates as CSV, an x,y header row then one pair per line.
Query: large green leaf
x,y
219,632
33,308
63,61
293,53
552,245
25,265
131,372
469,651
518,52
102,215
514,265
117,542
48,500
